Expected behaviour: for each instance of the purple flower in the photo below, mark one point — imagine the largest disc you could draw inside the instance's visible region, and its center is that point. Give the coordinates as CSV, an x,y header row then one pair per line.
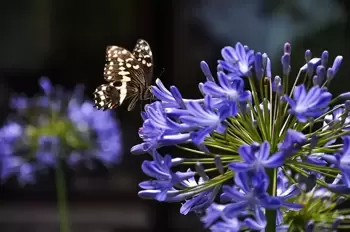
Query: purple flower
x,y
258,66
257,157
309,104
336,118
231,92
258,222
159,130
342,161
284,193
336,64
278,158
215,219
309,66
201,201
169,98
267,65
227,225
292,142
213,213
206,71
285,60
160,168
250,195
321,74
204,117
277,85
237,60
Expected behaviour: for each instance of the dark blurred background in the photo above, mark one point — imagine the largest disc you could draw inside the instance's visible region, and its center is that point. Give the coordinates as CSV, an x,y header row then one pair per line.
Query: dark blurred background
x,y
66,40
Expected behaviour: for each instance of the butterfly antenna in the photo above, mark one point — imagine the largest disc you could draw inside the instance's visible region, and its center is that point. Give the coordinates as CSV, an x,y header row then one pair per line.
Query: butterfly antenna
x,y
161,73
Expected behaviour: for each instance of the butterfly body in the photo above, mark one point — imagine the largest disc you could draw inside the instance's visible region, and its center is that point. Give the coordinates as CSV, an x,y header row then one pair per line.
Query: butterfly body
x,y
128,75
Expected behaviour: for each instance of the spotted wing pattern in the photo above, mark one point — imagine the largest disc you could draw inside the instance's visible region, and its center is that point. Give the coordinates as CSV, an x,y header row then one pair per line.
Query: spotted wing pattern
x,y
143,54
128,76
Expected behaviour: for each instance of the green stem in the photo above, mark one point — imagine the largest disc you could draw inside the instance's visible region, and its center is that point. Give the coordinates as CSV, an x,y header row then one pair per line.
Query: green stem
x,y
271,215
62,199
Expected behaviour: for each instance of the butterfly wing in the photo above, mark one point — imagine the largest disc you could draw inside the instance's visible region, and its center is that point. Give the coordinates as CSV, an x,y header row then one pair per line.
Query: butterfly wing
x,y
143,53
121,65
110,95
128,75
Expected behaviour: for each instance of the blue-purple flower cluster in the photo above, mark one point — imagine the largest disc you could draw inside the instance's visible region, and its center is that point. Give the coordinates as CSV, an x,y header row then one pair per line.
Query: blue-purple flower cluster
x,y
285,148
53,127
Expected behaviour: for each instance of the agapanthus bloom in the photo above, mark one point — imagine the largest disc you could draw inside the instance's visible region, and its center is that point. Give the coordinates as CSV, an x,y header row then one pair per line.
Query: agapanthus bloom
x,y
53,127
275,156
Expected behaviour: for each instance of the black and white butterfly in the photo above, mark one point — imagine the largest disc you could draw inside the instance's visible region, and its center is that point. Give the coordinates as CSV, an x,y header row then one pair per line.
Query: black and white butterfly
x,y
129,76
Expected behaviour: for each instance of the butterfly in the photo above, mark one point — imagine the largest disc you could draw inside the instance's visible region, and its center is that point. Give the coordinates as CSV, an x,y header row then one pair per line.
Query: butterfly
x,y
129,76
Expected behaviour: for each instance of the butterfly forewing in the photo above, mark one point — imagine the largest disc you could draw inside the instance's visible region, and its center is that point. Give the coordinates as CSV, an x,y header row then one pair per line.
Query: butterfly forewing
x,y
143,54
121,65
129,76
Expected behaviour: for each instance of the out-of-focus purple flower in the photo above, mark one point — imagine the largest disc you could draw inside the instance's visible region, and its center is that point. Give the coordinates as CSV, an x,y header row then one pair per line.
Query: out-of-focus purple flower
x,y
45,85
237,60
65,128
48,150
26,174
309,104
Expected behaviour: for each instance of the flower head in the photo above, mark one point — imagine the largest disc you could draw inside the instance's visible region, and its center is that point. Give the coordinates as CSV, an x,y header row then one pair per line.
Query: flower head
x,y
285,147
53,127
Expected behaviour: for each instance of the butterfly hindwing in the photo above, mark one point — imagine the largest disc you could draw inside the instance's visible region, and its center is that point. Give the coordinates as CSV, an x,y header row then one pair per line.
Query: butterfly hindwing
x,y
110,95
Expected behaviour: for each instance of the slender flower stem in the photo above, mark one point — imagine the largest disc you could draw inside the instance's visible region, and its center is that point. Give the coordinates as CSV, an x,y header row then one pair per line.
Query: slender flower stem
x,y
271,215
62,198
